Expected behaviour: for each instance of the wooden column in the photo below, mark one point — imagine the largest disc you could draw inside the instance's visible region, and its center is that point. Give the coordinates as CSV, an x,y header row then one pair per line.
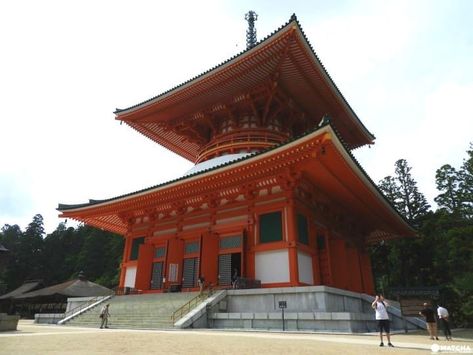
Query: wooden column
x,y
126,253
291,238
209,257
144,267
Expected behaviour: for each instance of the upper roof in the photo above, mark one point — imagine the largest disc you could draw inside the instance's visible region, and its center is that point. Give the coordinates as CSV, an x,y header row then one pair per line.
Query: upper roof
x,y
285,54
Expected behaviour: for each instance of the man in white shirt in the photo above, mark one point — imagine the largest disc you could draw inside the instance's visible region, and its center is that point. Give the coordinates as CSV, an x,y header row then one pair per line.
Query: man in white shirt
x,y
381,308
104,314
443,317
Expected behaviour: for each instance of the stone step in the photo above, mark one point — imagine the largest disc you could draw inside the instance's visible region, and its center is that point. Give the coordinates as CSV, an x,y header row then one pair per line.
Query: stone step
x,y
151,311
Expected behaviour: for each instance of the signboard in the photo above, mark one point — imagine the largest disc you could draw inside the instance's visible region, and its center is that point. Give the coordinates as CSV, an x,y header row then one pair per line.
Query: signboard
x,y
415,292
282,304
410,307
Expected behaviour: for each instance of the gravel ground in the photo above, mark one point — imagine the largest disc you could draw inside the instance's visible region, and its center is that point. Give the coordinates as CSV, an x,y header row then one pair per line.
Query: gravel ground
x,y
51,339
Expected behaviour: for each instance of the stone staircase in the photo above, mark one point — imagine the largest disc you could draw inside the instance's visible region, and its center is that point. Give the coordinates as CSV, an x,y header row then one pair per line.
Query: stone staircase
x,y
149,311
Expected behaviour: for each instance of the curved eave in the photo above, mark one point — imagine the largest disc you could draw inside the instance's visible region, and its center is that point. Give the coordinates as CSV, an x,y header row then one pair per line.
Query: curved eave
x,y
231,78
110,214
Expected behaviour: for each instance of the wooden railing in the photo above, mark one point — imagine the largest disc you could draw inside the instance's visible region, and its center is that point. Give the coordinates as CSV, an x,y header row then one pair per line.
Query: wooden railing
x,y
184,309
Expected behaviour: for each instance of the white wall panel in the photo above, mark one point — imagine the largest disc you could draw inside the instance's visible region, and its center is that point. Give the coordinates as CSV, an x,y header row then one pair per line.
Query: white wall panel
x,y
306,274
130,276
272,266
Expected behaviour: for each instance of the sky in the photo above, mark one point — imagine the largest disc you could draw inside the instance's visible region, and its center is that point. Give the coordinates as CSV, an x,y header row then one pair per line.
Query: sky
x,y
405,67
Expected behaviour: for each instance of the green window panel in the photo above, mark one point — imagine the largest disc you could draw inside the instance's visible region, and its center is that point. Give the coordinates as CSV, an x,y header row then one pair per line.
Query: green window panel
x,y
302,229
135,247
320,241
270,227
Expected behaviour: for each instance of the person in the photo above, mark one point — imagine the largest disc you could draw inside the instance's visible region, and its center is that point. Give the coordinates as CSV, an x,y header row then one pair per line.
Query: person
x,y
235,278
104,314
429,315
443,317
381,308
201,283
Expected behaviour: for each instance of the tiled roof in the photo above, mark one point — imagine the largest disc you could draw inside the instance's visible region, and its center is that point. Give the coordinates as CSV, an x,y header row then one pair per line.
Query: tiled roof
x,y
72,288
26,287
293,21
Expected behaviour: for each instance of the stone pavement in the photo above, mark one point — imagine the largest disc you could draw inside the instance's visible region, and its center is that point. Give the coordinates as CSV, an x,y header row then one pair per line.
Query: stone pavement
x,y
51,339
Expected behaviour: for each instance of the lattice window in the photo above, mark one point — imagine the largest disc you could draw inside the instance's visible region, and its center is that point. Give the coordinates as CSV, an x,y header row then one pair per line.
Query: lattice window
x,y
157,276
189,272
191,247
225,269
160,252
230,242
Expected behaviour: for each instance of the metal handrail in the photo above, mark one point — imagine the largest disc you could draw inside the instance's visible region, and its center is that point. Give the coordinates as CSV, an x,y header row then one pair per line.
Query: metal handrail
x,y
185,308
85,305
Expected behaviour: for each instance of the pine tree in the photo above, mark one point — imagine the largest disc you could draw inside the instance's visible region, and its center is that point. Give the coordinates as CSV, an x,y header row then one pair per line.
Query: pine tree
x,y
413,204
391,190
447,180
466,184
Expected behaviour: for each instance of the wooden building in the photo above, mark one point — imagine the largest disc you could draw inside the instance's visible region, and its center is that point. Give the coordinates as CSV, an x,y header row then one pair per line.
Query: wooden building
x,y
275,193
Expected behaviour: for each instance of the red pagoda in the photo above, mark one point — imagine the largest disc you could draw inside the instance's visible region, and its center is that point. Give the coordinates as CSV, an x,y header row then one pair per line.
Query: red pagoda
x,y
275,194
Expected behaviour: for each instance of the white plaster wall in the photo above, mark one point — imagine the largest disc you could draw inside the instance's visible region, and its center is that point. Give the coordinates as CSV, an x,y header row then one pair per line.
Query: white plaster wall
x,y
304,262
130,276
272,266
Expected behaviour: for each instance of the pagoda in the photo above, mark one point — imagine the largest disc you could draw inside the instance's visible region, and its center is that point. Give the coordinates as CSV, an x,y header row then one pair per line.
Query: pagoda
x,y
275,194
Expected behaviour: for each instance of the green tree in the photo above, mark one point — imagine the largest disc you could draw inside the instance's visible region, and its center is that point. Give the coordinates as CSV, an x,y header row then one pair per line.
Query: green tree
x,y
391,190
448,180
30,251
10,239
466,184
413,204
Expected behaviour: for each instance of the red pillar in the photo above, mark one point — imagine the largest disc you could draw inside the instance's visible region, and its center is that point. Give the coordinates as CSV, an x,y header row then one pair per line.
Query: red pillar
x,y
175,255
144,266
354,269
126,248
292,242
209,257
367,273
338,260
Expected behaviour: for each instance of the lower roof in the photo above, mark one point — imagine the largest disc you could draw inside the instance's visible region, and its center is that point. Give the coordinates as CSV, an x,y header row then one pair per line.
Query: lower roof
x,y
335,171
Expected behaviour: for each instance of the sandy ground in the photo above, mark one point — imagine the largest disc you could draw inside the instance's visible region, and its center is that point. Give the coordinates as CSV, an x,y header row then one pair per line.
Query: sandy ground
x,y
51,339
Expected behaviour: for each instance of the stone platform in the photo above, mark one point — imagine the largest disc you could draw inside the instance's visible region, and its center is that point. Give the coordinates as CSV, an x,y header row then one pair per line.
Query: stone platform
x,y
316,308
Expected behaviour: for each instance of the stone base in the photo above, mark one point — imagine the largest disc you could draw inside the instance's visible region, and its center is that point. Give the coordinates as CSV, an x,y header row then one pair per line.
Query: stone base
x,y
8,322
311,308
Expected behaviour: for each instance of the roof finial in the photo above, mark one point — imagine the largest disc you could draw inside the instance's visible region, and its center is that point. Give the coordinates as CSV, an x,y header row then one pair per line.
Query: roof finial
x,y
251,17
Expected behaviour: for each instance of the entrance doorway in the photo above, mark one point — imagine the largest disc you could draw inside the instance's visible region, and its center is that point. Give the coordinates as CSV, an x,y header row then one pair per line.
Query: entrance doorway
x,y
228,264
190,272
157,276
